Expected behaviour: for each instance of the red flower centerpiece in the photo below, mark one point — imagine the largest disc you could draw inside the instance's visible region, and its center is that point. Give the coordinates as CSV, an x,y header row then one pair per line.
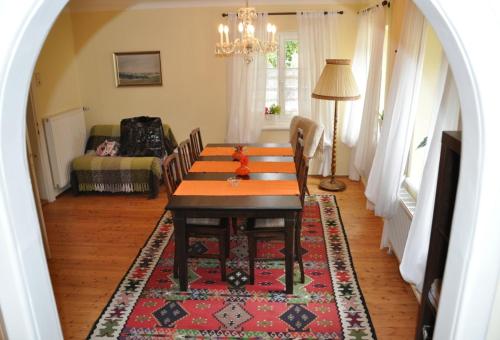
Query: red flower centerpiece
x,y
238,152
243,170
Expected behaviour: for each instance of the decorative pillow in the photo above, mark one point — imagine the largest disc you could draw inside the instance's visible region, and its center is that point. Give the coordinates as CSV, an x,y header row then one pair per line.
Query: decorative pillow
x,y
108,148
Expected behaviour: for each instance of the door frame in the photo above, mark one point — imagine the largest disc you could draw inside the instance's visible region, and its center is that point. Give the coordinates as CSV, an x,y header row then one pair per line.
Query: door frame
x,y
42,165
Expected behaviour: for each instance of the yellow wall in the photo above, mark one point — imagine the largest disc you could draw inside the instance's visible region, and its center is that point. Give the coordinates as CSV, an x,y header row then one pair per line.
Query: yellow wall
x,y
58,89
194,80
193,91
76,66
397,12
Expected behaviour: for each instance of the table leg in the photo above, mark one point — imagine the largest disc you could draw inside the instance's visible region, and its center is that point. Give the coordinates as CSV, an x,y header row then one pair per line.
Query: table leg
x,y
180,249
289,253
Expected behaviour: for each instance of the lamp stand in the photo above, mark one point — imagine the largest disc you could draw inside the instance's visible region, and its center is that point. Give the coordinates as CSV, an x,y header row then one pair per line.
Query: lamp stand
x,y
332,184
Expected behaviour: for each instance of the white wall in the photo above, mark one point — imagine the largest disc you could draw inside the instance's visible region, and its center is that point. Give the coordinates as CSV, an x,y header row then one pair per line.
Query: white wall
x,y
494,330
3,336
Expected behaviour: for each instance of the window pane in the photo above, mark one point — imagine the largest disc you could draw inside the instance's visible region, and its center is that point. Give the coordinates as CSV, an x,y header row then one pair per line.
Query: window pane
x,y
282,75
272,87
272,60
425,108
291,54
291,78
290,90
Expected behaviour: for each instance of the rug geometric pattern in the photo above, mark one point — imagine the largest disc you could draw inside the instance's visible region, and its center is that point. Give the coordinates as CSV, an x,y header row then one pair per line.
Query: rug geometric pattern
x,y
329,305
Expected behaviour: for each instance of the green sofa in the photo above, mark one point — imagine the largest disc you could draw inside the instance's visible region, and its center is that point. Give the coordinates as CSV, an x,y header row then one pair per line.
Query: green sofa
x,y
117,174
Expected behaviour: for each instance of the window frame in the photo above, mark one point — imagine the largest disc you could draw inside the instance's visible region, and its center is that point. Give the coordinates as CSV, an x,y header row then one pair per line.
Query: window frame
x,y
282,122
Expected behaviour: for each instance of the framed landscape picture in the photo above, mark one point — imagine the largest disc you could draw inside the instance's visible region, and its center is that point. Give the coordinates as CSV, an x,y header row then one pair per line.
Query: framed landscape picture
x,y
138,68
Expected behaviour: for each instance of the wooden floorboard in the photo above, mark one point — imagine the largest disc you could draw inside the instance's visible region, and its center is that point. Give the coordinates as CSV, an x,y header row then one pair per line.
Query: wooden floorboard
x,y
95,238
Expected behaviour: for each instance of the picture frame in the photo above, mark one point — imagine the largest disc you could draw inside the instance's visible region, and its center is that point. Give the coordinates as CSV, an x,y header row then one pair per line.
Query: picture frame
x,y
137,68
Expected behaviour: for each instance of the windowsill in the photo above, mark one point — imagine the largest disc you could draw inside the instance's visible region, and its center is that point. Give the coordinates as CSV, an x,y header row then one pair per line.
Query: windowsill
x,y
407,201
276,127
277,124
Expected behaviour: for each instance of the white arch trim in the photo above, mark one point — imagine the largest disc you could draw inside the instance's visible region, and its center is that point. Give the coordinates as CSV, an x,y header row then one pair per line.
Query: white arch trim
x,y
472,270
26,297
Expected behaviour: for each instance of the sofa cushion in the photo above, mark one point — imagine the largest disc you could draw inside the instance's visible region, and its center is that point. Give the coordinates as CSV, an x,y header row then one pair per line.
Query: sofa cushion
x,y
100,133
115,174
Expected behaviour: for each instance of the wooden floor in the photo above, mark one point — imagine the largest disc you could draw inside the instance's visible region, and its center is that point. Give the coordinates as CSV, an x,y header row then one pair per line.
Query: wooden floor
x,y
95,238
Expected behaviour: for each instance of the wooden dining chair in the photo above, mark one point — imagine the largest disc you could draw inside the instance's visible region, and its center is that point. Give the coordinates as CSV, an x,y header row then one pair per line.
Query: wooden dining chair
x,y
172,175
185,156
274,228
197,227
196,143
299,152
299,149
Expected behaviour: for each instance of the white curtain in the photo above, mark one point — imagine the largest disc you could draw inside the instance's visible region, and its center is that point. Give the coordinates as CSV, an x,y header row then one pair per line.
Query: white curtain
x,y
246,89
318,36
361,127
415,255
389,163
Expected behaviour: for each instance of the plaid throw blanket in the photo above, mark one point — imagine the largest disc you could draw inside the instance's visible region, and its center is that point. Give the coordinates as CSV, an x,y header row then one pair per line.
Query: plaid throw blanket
x,y
117,174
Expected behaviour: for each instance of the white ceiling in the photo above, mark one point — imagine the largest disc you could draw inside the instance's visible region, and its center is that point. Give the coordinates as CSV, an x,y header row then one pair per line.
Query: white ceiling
x,y
96,5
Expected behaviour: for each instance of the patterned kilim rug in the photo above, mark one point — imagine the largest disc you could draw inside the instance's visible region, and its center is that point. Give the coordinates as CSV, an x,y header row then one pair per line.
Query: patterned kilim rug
x,y
330,305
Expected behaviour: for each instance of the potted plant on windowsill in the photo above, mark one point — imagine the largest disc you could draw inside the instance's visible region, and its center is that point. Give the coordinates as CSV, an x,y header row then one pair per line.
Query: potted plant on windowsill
x,y
272,112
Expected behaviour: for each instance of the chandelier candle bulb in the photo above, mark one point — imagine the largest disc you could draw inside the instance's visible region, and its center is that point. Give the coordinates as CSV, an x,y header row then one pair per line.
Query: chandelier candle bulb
x,y
221,31
251,30
226,33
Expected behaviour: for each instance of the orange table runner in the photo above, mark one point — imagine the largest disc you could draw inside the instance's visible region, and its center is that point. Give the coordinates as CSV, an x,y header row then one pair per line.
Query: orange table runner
x,y
243,188
255,167
247,150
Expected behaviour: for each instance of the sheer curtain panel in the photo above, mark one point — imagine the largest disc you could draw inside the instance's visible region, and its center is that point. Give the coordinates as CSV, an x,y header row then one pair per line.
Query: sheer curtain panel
x,y
318,36
362,129
246,89
360,66
391,155
417,244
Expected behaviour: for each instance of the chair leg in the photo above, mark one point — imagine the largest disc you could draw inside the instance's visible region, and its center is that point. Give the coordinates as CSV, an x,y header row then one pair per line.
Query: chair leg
x,y
307,191
227,242
222,255
298,250
234,224
175,269
252,249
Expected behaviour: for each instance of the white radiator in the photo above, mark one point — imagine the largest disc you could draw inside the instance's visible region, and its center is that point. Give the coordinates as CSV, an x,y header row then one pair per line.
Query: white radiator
x,y
396,229
66,136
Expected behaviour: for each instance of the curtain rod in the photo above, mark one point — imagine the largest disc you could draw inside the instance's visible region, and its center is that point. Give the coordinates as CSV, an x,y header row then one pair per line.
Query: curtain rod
x,y
383,4
286,13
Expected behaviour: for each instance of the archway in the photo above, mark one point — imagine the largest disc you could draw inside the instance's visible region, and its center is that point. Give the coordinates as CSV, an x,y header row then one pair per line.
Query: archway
x,y
28,304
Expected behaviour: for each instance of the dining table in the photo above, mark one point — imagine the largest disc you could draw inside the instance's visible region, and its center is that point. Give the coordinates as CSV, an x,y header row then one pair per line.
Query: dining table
x,y
269,191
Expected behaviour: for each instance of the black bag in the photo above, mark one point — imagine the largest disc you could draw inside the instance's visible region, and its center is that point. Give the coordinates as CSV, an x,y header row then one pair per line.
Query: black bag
x,y
142,137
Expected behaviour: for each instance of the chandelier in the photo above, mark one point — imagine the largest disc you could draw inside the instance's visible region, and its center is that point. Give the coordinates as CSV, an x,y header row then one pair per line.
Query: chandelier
x,y
247,44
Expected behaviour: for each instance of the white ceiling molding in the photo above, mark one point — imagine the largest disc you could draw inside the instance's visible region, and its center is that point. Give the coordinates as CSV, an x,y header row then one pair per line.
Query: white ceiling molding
x,y
112,5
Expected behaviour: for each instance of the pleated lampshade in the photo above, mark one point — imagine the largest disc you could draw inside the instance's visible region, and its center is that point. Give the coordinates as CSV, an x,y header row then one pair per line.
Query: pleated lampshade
x,y
336,82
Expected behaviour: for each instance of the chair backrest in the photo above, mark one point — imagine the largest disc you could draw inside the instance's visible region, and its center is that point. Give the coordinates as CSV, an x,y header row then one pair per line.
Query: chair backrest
x,y
302,172
186,158
299,152
313,134
196,143
172,173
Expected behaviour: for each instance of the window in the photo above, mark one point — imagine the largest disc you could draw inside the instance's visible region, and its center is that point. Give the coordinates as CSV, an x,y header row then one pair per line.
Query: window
x,y
426,105
283,80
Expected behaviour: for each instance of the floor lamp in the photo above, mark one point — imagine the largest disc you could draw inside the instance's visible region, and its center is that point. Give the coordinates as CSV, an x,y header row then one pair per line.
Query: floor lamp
x,y
335,83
